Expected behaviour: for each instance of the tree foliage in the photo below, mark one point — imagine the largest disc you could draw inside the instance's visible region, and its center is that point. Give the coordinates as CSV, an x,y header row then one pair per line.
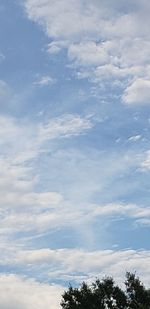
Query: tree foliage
x,y
105,294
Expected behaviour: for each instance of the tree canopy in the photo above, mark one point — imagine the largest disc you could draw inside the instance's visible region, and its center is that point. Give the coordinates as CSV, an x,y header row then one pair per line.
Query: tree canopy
x,y
105,294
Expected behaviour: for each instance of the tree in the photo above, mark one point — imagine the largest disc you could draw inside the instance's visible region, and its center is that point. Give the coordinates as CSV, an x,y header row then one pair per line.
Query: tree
x,y
105,294
137,295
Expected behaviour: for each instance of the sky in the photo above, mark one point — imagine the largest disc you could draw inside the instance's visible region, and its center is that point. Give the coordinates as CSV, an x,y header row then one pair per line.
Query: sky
x,y
74,146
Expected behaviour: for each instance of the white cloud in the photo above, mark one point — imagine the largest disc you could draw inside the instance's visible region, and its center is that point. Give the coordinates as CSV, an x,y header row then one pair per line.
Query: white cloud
x,y
65,126
45,81
130,210
90,53
63,264
43,216
26,208
56,46
134,138
66,265
23,207
66,19
138,92
104,40
20,293
30,200
22,142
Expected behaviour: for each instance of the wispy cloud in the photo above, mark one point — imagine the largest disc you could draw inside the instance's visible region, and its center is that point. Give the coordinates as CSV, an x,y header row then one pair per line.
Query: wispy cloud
x,y
145,165
65,126
134,138
23,206
45,81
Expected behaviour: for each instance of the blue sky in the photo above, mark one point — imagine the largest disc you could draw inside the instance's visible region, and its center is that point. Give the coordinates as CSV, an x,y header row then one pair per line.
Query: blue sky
x,y
75,152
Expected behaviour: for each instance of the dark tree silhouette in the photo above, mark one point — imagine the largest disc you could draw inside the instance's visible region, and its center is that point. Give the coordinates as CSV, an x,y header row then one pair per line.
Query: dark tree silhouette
x,y
137,295
105,294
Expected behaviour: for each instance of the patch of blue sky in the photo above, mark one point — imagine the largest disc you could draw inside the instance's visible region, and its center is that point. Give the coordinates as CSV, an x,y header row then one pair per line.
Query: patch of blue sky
x,y
123,228
20,50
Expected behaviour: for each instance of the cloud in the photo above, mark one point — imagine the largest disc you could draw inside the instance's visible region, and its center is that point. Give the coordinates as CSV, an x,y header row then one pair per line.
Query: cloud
x,y
78,264
31,200
65,126
60,186
145,165
138,92
31,206
56,46
134,138
90,53
58,23
65,265
24,206
46,215
30,137
99,45
20,293
45,81
130,210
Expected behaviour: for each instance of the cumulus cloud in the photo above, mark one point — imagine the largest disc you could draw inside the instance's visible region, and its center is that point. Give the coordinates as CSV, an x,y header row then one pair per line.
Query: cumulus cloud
x,y
104,40
20,293
90,53
58,23
138,92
